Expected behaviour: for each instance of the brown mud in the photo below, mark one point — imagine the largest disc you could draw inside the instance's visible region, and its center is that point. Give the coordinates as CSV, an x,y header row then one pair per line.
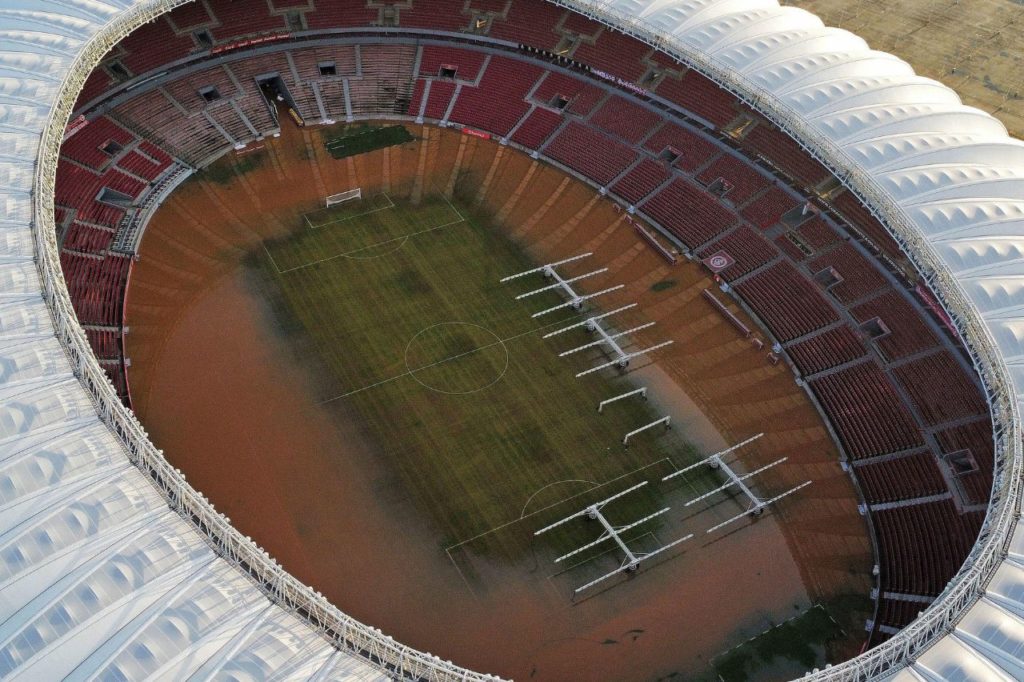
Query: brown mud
x,y
234,405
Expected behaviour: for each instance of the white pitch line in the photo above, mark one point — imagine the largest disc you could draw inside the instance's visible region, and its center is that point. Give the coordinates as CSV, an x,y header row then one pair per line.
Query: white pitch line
x,y
348,254
434,364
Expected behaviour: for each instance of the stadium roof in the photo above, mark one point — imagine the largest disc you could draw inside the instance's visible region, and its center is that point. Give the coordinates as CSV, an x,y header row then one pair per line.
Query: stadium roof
x,y
103,572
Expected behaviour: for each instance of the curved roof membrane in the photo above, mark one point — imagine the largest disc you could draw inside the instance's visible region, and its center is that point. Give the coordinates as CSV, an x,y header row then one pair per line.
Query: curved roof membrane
x,y
111,566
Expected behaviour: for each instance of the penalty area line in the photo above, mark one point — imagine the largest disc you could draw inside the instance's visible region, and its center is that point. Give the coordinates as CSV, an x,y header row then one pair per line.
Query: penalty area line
x,y
348,254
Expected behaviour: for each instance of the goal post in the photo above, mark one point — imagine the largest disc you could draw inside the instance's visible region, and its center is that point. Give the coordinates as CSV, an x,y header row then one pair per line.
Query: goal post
x,y
342,197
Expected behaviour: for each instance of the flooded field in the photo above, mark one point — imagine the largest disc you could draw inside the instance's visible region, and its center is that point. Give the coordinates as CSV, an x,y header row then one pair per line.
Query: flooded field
x,y
234,392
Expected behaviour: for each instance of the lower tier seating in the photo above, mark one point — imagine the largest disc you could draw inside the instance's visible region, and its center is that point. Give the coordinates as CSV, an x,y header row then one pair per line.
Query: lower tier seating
x,y
689,212
786,302
591,153
826,350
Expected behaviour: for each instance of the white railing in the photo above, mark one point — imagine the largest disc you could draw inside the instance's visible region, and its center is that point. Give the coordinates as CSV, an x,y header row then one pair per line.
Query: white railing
x,y
348,634
401,661
1004,506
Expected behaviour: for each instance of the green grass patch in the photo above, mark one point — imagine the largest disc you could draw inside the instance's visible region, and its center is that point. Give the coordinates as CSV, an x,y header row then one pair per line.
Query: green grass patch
x,y
409,329
231,166
663,285
784,650
362,138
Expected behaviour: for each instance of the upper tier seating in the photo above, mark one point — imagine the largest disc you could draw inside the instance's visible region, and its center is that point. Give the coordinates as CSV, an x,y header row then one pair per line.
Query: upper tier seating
x,y
467,63
923,545
940,388
693,150
866,411
861,219
615,53
818,234
745,181
908,333
784,152
95,284
976,438
582,96
768,209
626,120
695,93
86,145
859,276
901,478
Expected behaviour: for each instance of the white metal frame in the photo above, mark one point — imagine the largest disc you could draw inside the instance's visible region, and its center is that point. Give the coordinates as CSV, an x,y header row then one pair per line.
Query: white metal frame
x,y
632,559
575,300
987,555
342,197
344,632
960,594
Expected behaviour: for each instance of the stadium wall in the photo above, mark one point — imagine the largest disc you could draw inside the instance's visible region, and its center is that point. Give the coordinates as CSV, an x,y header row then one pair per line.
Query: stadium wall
x,y
936,621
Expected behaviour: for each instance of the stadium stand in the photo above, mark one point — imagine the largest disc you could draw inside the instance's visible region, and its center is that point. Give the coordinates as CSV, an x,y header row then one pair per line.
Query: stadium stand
x,y
867,411
690,149
767,209
688,212
581,96
907,331
818,234
624,119
973,442
590,153
828,349
98,143
695,93
536,128
641,180
857,276
784,153
786,302
745,181
465,63
748,249
615,53
860,401
385,86
900,478
940,388
499,102
861,220
921,544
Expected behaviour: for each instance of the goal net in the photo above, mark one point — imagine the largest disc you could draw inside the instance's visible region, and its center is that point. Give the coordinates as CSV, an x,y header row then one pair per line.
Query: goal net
x,y
342,197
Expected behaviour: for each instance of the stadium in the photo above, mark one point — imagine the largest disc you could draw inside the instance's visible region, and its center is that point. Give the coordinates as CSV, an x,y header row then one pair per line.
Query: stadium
x,y
560,339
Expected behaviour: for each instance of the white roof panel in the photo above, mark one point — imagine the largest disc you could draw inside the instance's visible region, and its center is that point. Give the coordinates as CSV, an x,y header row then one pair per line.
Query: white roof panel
x,y
950,171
